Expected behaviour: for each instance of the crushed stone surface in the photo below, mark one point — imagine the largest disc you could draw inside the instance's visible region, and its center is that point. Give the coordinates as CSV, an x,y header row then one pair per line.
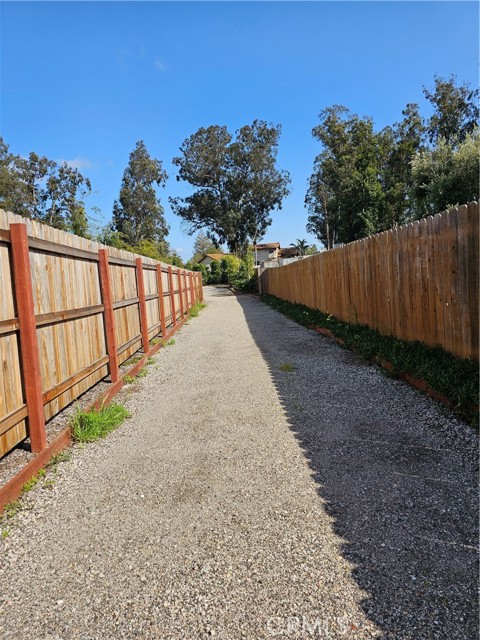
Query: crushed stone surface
x,y
268,484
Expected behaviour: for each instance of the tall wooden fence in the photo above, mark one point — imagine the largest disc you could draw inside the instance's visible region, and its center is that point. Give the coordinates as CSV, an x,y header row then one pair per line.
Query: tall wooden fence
x,y
71,312
416,282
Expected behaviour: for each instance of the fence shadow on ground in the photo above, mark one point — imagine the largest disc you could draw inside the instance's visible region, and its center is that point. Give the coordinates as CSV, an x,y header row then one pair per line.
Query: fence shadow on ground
x,y
400,488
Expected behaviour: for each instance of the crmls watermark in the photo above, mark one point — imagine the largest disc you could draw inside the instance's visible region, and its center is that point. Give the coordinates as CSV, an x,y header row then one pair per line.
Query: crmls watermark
x,y
306,626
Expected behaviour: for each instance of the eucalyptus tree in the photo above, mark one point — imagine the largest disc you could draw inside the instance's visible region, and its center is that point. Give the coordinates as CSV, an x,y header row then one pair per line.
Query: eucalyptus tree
x,y
138,213
236,183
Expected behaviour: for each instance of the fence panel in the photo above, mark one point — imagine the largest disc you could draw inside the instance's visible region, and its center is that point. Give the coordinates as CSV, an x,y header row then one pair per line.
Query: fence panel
x,y
87,308
416,282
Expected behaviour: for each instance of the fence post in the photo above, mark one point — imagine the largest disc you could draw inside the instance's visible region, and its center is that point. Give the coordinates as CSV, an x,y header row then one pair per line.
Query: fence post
x,y
172,296
182,312
108,314
192,292
161,301
186,292
200,286
30,356
142,304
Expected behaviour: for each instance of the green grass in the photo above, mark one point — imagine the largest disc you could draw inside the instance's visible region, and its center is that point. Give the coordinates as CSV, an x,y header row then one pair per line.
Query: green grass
x,y
197,307
455,378
287,366
169,343
12,508
142,373
129,379
133,360
61,456
88,426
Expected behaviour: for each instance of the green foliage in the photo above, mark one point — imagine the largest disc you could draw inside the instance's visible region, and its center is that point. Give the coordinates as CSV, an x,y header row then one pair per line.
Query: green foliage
x,y
30,484
215,276
138,214
197,307
301,245
288,367
203,245
246,278
237,183
43,190
203,270
456,113
455,378
445,176
229,266
56,459
88,426
364,181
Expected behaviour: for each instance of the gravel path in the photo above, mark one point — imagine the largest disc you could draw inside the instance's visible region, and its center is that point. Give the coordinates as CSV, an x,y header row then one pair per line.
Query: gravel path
x,y
268,484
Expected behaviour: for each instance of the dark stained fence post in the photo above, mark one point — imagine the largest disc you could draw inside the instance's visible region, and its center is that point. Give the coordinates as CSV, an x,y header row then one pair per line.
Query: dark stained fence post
x,y
142,304
108,314
200,282
172,296
161,301
30,356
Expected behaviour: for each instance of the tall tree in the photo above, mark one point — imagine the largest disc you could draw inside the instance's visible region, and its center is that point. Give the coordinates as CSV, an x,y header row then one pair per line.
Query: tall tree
x,y
202,245
445,176
398,146
41,189
301,245
456,112
237,183
345,196
138,214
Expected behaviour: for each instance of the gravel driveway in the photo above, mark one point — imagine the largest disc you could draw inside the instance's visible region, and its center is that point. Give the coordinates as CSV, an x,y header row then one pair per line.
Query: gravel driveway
x,y
268,484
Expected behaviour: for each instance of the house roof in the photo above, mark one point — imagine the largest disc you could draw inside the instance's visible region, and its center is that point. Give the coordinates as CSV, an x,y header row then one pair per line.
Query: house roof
x,y
213,256
289,252
269,245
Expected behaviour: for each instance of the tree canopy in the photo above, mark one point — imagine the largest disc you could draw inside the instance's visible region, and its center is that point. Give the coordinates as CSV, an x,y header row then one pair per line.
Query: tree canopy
x,y
365,181
237,184
43,190
138,214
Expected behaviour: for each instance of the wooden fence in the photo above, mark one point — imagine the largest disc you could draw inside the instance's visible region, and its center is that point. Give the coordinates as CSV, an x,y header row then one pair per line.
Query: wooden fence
x,y
416,282
71,312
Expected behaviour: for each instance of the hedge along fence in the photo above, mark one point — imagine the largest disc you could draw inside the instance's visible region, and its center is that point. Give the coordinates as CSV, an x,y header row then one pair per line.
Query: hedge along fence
x,y
71,312
416,282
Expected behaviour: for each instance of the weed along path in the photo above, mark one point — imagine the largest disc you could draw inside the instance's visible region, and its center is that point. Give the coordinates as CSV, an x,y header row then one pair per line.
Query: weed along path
x,y
267,484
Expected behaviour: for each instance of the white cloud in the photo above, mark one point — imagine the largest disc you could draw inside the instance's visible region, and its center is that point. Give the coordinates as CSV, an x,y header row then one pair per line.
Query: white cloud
x,y
77,163
159,64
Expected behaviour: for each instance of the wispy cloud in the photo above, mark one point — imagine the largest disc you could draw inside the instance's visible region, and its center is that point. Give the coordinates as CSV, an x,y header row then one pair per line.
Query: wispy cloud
x,y
159,64
77,163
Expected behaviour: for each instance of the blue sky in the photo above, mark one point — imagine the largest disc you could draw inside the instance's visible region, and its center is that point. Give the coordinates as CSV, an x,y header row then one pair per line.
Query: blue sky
x,y
83,81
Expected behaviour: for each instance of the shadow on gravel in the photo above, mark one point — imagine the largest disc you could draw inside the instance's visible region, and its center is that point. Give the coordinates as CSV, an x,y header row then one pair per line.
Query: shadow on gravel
x,y
398,477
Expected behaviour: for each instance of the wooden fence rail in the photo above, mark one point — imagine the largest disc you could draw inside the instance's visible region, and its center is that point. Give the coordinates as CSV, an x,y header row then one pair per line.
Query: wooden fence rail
x,y
416,282
71,312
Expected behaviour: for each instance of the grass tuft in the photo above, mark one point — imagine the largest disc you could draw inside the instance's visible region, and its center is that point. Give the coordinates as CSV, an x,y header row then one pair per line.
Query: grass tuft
x,y
287,366
88,426
197,307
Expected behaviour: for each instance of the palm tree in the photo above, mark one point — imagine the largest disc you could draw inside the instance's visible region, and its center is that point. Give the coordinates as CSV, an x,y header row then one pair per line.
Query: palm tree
x,y
301,245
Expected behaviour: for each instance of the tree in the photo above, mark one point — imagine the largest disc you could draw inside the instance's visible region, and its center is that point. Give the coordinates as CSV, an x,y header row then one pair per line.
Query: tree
x,y
41,189
345,196
237,183
398,146
138,213
445,177
203,245
456,112
301,245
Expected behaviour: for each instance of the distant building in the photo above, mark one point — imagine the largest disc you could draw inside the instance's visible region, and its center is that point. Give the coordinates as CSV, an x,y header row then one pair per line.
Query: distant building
x,y
208,258
264,252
